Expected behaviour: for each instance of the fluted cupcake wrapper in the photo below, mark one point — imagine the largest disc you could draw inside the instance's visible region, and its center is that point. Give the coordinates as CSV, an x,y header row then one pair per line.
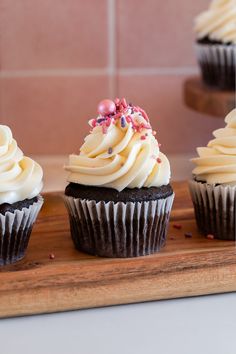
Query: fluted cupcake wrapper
x,y
15,230
215,209
217,62
119,229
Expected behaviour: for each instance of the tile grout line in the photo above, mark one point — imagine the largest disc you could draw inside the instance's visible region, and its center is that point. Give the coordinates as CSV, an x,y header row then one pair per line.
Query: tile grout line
x,y
159,71
111,47
54,72
99,72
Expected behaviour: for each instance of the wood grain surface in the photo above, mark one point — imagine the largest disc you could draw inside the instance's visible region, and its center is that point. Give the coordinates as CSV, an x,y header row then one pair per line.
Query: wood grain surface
x,y
73,280
208,100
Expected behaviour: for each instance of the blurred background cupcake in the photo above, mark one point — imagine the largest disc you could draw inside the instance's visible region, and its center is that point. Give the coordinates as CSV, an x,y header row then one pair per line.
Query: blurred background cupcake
x,y
213,187
216,44
119,197
20,201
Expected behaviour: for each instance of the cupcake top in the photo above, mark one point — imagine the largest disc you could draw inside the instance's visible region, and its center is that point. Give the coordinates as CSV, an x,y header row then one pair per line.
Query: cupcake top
x,y
20,176
121,151
216,163
218,23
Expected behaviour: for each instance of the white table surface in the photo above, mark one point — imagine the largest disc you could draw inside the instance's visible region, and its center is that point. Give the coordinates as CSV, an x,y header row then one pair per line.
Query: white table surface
x,y
201,325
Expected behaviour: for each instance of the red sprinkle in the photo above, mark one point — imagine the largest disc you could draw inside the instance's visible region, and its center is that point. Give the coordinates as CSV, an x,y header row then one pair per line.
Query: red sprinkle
x,y
143,137
145,126
210,237
177,226
118,115
108,122
188,235
159,160
51,256
128,119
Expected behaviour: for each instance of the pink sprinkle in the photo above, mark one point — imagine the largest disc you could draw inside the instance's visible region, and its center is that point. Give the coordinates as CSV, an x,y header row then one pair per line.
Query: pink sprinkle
x,y
154,132
117,101
143,137
108,122
210,237
128,119
135,109
51,256
137,127
159,145
124,103
177,226
94,123
159,160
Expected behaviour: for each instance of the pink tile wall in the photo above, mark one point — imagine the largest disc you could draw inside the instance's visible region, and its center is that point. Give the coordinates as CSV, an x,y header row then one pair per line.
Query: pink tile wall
x,y
55,34
156,33
59,58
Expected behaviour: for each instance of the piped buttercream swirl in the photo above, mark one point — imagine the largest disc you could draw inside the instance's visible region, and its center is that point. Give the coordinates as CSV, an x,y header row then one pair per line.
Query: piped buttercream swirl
x,y
218,23
120,152
216,163
20,176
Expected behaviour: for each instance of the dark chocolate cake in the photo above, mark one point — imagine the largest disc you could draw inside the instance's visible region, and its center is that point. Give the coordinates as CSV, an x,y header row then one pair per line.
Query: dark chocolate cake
x,y
127,195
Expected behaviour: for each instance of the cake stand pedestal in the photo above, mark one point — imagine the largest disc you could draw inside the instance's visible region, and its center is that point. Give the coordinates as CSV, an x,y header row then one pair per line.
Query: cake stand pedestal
x,y
207,100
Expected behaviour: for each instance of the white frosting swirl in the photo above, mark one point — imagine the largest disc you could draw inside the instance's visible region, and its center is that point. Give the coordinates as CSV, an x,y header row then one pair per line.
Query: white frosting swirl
x,y
120,158
217,162
20,176
219,22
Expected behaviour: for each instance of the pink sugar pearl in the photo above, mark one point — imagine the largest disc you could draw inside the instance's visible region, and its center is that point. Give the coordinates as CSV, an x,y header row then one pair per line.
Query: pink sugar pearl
x,y
106,107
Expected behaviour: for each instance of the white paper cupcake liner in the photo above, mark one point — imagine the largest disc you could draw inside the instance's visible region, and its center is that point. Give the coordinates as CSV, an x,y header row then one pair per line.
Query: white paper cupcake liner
x,y
215,209
217,62
119,229
15,230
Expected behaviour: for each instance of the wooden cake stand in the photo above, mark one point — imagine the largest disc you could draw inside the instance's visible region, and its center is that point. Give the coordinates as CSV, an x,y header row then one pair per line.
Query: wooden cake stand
x,y
208,100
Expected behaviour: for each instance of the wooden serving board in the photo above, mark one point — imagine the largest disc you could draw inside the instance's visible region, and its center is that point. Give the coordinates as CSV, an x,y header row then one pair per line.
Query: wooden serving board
x,y
73,280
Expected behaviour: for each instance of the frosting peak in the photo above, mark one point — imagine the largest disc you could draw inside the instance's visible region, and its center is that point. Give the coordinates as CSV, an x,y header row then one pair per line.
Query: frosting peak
x,y
20,176
120,152
218,23
217,162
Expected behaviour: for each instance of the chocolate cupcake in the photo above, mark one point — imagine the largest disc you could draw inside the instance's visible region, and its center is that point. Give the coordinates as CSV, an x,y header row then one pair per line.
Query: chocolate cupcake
x,y
119,197
20,201
213,188
216,44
